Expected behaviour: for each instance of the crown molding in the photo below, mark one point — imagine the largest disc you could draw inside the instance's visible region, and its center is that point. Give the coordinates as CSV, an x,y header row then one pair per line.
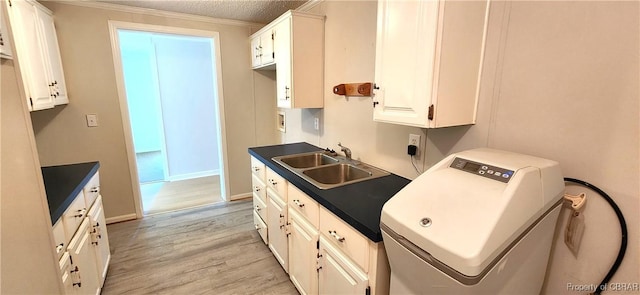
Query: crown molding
x,y
309,5
160,13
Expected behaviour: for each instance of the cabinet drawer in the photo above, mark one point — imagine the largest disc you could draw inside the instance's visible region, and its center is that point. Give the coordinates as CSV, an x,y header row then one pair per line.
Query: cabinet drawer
x,y
258,168
347,239
59,238
304,204
277,184
74,215
260,206
260,226
91,190
259,188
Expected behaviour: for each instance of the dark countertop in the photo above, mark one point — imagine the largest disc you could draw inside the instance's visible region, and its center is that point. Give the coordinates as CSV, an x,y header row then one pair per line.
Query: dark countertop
x,y
63,183
358,204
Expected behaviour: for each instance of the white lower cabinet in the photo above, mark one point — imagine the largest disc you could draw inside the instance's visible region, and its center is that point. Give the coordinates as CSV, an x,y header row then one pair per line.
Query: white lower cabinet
x,y
99,239
277,228
321,253
337,273
303,254
84,276
65,271
82,242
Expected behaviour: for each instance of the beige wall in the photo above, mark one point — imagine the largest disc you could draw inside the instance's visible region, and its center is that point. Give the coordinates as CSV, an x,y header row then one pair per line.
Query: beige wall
x,y
561,81
29,264
62,135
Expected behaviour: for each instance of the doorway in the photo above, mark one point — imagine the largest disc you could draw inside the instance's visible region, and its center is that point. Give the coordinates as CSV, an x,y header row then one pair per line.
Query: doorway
x,y
172,88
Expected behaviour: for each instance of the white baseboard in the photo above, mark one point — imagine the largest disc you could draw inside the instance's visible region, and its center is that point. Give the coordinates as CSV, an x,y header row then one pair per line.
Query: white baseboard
x,y
240,196
194,175
121,218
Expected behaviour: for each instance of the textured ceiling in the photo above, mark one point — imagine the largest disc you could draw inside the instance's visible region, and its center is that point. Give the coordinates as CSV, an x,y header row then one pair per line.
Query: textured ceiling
x,y
258,11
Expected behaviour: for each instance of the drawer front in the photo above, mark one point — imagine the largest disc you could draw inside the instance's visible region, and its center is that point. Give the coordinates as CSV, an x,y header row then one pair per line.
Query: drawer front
x,y
258,188
260,207
59,238
347,239
258,168
74,216
261,227
91,190
305,205
277,184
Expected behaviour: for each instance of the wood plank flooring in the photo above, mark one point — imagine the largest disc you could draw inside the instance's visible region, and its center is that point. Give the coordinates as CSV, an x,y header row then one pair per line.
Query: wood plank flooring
x,y
213,249
166,196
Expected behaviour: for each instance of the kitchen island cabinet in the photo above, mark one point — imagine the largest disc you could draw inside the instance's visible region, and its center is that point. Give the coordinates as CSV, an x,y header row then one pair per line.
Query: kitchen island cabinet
x,y
334,239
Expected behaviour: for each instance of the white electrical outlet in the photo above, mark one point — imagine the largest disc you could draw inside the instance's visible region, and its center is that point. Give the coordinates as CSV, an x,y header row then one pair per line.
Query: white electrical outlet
x,y
414,139
92,120
316,123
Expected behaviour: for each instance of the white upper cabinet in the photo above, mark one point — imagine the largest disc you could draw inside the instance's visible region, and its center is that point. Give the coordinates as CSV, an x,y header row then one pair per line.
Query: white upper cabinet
x,y
262,50
37,54
298,53
429,61
5,45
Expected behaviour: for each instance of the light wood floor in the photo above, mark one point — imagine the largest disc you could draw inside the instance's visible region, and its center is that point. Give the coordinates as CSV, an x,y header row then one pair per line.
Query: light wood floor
x,y
160,197
207,250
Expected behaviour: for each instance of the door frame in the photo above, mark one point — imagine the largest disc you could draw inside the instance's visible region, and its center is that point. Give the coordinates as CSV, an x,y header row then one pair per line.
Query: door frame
x,y
114,26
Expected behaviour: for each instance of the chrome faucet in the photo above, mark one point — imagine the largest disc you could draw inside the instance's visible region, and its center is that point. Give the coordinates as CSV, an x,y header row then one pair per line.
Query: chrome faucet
x,y
346,150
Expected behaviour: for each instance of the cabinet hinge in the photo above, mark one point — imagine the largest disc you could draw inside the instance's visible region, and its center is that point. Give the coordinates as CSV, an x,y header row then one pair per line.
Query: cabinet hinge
x,y
70,259
272,38
10,3
318,244
273,55
367,291
430,115
31,101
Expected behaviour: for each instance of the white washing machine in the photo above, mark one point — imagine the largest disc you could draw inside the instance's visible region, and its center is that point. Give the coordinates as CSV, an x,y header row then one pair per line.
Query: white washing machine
x,y
478,222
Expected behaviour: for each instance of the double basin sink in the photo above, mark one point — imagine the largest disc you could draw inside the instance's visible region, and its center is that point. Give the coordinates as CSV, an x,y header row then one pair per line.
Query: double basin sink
x,y
327,171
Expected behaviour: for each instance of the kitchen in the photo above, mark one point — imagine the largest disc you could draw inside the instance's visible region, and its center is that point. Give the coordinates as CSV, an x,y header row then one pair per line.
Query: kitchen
x,y
560,81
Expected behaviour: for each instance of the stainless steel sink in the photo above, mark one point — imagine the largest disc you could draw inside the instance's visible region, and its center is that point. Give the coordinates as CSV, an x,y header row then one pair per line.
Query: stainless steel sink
x,y
336,173
308,160
326,171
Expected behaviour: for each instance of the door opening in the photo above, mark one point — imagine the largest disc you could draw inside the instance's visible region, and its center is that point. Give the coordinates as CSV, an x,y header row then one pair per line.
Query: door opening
x,y
171,82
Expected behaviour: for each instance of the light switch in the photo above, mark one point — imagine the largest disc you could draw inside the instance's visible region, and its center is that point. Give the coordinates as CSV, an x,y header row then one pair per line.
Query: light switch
x,y
92,120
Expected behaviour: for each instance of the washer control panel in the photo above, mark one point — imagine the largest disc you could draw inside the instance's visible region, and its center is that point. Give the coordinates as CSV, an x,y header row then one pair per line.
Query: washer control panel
x,y
484,170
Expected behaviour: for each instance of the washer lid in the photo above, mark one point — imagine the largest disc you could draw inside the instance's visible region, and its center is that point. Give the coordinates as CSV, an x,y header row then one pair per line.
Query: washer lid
x,y
471,219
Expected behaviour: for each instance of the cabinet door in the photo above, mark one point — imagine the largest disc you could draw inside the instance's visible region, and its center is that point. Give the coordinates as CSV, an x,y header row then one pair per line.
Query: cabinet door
x,y
277,230
339,275
5,45
83,268
65,271
405,57
255,52
54,63
282,47
303,254
30,55
99,239
266,50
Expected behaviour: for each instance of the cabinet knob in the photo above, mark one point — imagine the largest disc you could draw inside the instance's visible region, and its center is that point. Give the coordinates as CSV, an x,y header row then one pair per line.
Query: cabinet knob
x,y
59,247
95,189
257,226
256,168
258,208
256,189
